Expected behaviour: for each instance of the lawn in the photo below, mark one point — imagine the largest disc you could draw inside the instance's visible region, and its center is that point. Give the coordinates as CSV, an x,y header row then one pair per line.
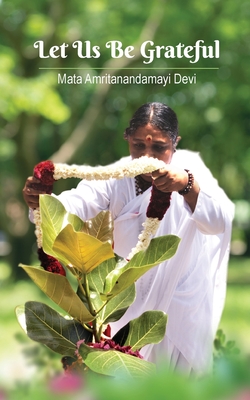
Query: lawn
x,y
15,366
236,316
235,320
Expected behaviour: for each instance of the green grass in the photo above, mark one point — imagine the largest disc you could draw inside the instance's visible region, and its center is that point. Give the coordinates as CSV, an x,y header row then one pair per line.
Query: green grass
x,y
235,320
239,271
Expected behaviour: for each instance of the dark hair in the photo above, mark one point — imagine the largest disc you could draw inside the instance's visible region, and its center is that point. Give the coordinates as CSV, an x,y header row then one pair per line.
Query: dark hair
x,y
156,114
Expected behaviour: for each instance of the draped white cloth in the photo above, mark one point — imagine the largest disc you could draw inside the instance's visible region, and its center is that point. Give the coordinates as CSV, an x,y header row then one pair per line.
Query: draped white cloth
x,y
191,286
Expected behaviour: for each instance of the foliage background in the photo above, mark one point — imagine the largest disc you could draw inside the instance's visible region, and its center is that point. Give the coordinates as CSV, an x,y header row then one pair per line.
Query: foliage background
x,y
40,119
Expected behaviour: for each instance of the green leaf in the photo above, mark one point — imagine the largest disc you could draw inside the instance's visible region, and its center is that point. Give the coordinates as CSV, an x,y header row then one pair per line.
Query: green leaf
x,y
58,288
54,218
115,307
115,363
94,297
96,278
149,328
230,344
118,305
45,325
217,344
101,227
81,250
159,250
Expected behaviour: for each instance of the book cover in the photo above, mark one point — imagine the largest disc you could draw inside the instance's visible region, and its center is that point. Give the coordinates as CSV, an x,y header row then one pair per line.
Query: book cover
x,y
71,76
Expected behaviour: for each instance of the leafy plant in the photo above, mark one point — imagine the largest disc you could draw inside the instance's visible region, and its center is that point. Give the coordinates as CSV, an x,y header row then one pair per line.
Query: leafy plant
x,y
224,348
102,289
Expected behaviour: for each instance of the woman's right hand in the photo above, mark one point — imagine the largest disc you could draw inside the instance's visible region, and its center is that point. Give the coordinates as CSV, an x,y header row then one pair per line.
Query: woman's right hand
x,y
32,188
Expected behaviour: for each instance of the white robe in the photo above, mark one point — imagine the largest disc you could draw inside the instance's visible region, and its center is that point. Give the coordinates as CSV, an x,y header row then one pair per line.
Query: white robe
x,y
191,286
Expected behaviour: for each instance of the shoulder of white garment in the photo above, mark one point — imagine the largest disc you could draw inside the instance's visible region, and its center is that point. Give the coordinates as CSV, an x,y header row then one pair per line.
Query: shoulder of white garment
x,y
209,187
192,161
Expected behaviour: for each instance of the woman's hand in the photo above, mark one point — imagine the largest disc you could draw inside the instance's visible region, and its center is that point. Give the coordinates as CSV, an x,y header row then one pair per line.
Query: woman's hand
x,y
173,179
32,188
170,179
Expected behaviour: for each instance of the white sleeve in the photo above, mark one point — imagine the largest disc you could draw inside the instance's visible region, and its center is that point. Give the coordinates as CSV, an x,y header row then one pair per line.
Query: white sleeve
x,y
213,210
87,199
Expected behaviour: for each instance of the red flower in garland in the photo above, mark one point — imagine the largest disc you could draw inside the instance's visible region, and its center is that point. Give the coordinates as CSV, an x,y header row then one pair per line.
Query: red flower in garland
x,y
159,203
107,331
50,263
44,171
109,344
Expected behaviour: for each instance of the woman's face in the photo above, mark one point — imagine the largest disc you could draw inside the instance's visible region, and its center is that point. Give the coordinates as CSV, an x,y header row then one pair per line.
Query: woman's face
x,y
149,141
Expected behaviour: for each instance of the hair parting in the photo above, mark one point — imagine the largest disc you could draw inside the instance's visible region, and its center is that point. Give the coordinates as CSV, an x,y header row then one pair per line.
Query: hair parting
x,y
157,114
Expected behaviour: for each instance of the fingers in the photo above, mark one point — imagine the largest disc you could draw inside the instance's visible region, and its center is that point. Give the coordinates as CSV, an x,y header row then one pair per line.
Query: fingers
x,y
169,179
162,180
31,191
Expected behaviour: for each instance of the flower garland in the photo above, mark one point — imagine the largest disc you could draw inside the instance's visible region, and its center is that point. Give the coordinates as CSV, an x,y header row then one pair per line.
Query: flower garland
x,y
158,205
48,172
109,344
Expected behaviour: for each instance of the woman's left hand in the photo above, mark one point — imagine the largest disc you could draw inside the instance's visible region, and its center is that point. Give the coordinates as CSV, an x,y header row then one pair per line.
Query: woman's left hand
x,y
173,179
170,179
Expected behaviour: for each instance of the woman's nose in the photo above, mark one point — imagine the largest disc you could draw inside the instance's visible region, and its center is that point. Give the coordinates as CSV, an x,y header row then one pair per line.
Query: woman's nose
x,y
149,153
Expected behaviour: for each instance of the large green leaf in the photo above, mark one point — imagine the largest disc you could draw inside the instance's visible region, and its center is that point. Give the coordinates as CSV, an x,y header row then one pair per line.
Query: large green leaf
x,y
116,363
83,251
159,250
114,309
101,227
118,305
58,288
96,277
44,325
54,218
149,328
94,297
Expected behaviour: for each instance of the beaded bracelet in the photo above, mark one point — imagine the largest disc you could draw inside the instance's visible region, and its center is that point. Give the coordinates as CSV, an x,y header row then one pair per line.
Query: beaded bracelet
x,y
189,185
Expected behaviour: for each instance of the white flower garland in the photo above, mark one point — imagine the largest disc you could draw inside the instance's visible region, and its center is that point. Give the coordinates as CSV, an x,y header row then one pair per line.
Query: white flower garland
x,y
38,230
119,170
150,226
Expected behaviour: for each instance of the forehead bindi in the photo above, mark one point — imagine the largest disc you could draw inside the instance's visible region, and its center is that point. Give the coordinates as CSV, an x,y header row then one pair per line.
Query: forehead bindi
x,y
150,134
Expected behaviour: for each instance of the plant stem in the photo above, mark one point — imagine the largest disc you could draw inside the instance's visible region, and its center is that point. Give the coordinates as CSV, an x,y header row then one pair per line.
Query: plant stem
x,y
82,288
85,287
100,309
99,333
88,328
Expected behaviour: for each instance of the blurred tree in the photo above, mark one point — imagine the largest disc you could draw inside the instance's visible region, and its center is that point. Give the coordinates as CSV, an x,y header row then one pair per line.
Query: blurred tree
x,y
41,119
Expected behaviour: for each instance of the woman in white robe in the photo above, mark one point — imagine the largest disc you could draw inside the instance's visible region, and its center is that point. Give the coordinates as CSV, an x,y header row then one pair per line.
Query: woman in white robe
x,y
191,286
